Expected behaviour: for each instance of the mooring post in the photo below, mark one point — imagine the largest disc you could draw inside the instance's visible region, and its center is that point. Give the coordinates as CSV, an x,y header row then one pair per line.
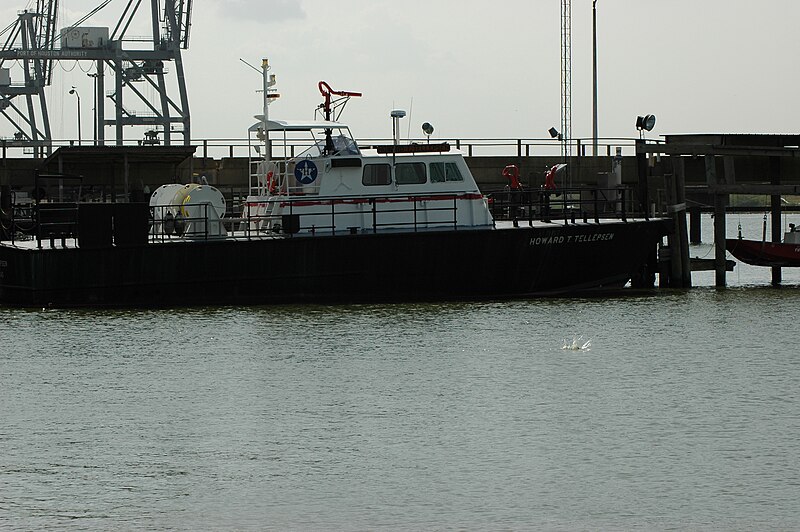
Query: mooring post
x,y
641,168
680,204
720,202
695,225
679,215
667,272
775,207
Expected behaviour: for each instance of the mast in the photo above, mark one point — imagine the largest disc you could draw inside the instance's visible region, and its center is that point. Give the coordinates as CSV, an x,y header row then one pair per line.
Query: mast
x,y
266,85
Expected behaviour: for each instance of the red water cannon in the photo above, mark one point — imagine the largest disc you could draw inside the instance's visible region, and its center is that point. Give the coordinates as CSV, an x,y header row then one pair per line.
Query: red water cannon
x,y
328,106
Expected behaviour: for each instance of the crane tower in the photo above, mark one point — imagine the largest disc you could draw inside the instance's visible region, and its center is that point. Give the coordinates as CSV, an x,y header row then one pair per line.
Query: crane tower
x,y
133,62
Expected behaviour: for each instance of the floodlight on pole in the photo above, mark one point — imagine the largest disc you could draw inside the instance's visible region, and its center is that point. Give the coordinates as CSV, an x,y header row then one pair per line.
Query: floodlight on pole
x,y
74,91
427,128
645,123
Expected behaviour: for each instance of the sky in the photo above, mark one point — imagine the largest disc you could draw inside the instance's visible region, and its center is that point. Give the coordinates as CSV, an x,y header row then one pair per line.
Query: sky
x,y
474,68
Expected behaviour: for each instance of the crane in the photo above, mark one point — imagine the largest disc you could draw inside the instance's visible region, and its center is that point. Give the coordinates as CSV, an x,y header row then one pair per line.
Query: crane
x,y
29,40
32,41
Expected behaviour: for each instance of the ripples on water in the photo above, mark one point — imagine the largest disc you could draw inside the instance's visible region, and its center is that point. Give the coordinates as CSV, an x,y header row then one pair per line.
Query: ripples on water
x,y
684,414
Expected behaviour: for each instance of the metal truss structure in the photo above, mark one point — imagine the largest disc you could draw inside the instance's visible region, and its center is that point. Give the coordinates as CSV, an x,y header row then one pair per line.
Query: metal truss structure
x,y
134,62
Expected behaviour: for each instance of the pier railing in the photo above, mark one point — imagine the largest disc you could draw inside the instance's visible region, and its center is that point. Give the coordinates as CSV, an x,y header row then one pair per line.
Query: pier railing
x,y
240,147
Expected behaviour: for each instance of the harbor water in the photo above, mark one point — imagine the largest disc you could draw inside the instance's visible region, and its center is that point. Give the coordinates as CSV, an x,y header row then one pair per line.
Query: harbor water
x,y
681,413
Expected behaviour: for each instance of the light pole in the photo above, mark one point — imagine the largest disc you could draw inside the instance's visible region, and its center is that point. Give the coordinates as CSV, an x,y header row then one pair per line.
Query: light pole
x,y
94,107
594,77
74,91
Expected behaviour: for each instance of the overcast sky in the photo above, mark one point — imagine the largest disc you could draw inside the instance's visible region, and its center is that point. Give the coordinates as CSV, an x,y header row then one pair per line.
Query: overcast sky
x,y
475,68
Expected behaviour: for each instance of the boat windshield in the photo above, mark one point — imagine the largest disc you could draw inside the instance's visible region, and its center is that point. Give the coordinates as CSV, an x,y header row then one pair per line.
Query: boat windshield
x,y
341,140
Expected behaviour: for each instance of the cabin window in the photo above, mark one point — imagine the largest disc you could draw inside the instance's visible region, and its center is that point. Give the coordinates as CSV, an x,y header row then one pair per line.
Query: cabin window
x,y
441,172
410,173
377,174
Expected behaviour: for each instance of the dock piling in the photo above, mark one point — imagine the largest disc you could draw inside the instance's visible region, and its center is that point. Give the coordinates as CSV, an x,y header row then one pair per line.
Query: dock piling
x,y
720,203
775,208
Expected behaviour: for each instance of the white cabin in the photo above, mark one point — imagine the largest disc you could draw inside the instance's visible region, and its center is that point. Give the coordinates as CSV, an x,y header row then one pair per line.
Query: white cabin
x,y
315,179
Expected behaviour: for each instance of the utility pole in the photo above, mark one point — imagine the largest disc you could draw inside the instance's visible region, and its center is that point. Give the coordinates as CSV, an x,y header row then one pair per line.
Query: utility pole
x,y
594,77
566,81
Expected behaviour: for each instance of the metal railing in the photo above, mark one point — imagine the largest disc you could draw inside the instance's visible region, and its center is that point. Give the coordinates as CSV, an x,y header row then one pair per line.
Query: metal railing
x,y
314,215
56,221
336,209
472,146
567,204
168,221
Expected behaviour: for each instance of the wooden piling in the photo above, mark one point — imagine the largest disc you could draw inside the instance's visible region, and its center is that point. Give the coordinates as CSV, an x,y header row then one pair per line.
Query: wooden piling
x,y
775,208
695,225
720,202
680,224
680,197
673,268
680,268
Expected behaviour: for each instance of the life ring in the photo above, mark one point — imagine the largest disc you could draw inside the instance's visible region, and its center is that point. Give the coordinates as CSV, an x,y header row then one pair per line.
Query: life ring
x,y
267,177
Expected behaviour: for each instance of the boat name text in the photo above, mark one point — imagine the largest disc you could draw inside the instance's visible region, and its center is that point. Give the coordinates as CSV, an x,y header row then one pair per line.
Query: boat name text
x,y
567,239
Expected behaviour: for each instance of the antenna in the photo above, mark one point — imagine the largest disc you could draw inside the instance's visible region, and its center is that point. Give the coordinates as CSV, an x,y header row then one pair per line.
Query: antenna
x,y
251,66
566,79
410,111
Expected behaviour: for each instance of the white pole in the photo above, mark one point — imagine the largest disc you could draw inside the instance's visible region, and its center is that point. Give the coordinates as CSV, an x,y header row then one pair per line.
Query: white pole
x,y
265,76
594,77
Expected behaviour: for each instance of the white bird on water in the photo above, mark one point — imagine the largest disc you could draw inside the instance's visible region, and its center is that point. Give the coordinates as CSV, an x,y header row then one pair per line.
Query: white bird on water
x,y
577,344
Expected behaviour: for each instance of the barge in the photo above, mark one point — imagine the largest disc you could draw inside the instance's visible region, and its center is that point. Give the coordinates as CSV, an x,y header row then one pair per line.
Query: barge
x,y
325,221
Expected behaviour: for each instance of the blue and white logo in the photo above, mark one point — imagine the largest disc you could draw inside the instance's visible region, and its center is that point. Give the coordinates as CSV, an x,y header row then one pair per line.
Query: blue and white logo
x,y
305,172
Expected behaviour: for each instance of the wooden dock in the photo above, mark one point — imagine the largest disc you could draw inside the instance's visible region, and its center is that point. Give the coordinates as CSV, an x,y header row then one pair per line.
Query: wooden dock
x,y
719,153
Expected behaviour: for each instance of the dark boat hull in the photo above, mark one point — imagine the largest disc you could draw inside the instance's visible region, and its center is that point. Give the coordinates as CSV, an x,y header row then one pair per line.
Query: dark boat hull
x,y
403,266
760,253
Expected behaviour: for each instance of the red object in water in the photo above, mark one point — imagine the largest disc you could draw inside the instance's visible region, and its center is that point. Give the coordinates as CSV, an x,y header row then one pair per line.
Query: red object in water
x,y
760,253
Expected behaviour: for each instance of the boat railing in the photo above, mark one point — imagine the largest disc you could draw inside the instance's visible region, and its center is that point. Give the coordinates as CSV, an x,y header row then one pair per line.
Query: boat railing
x,y
328,215
176,221
315,215
567,204
55,222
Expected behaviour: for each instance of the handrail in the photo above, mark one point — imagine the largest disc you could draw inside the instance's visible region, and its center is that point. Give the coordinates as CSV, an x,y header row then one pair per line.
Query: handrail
x,y
499,146
566,203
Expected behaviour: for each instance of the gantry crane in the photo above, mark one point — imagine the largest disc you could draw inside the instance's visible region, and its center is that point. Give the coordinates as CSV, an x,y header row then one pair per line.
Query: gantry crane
x,y
33,42
29,40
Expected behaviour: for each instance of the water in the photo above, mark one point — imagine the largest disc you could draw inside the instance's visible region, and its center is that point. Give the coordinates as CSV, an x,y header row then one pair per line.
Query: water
x,y
682,414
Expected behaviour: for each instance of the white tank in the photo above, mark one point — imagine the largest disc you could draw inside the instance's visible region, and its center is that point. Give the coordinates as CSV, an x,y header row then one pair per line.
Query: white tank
x,y
189,211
